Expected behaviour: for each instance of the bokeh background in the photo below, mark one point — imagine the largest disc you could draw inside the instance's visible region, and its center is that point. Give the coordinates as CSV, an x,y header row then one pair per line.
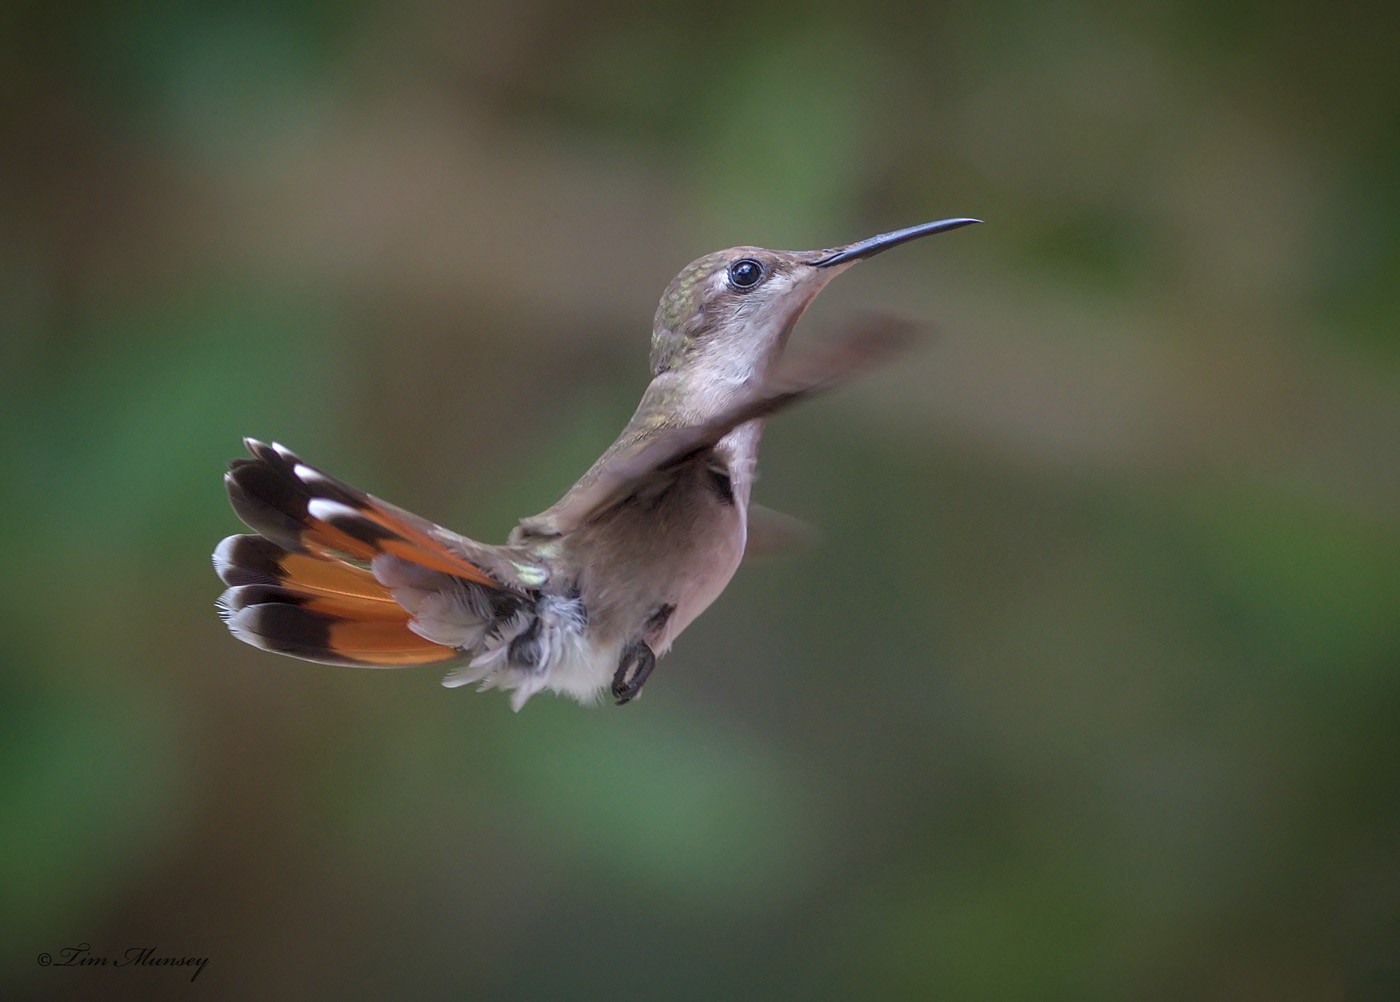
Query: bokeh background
x,y
1092,690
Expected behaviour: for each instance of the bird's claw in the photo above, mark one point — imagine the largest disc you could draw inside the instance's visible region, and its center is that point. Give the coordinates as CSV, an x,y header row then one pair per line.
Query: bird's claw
x,y
633,670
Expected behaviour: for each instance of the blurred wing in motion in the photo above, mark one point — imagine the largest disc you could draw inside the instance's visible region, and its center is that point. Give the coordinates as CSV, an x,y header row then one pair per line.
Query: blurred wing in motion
x,y
636,458
774,533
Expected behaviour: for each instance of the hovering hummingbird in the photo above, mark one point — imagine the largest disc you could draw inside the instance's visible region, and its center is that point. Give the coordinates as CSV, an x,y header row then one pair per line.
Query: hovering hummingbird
x,y
584,597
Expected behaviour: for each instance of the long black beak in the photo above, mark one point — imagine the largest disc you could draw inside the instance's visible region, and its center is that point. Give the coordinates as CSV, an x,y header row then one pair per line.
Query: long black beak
x,y
873,246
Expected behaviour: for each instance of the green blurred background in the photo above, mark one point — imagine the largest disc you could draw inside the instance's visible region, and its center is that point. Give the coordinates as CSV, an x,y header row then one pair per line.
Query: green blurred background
x,y
1091,692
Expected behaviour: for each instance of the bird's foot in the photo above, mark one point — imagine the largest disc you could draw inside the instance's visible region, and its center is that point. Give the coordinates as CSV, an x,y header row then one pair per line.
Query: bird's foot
x,y
633,670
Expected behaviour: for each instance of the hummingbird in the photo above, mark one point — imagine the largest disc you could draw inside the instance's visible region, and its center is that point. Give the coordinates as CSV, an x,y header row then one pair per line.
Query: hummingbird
x,y
584,597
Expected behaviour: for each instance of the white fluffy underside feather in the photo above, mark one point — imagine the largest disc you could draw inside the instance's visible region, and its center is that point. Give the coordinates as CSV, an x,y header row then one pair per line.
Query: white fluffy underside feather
x,y
567,663
449,611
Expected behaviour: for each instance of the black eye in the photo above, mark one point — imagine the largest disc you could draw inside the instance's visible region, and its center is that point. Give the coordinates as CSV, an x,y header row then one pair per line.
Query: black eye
x,y
745,273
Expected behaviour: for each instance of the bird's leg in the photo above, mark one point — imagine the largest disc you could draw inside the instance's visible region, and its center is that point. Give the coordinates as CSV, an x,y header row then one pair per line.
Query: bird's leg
x,y
624,687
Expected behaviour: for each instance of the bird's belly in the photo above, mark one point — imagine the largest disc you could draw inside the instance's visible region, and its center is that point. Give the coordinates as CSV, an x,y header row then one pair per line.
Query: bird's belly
x,y
706,575
679,552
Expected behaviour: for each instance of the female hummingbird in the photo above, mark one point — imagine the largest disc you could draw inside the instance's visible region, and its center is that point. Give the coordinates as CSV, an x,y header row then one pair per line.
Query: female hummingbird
x,y
584,597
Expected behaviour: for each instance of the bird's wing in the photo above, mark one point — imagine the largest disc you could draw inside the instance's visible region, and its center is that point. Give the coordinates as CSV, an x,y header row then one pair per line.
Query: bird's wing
x,y
634,459
774,533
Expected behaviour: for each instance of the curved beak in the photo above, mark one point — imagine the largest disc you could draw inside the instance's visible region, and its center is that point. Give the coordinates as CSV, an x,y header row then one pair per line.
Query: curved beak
x,y
869,248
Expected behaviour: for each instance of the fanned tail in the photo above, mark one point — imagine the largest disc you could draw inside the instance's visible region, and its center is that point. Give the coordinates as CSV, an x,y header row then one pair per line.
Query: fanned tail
x,y
300,587
316,608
